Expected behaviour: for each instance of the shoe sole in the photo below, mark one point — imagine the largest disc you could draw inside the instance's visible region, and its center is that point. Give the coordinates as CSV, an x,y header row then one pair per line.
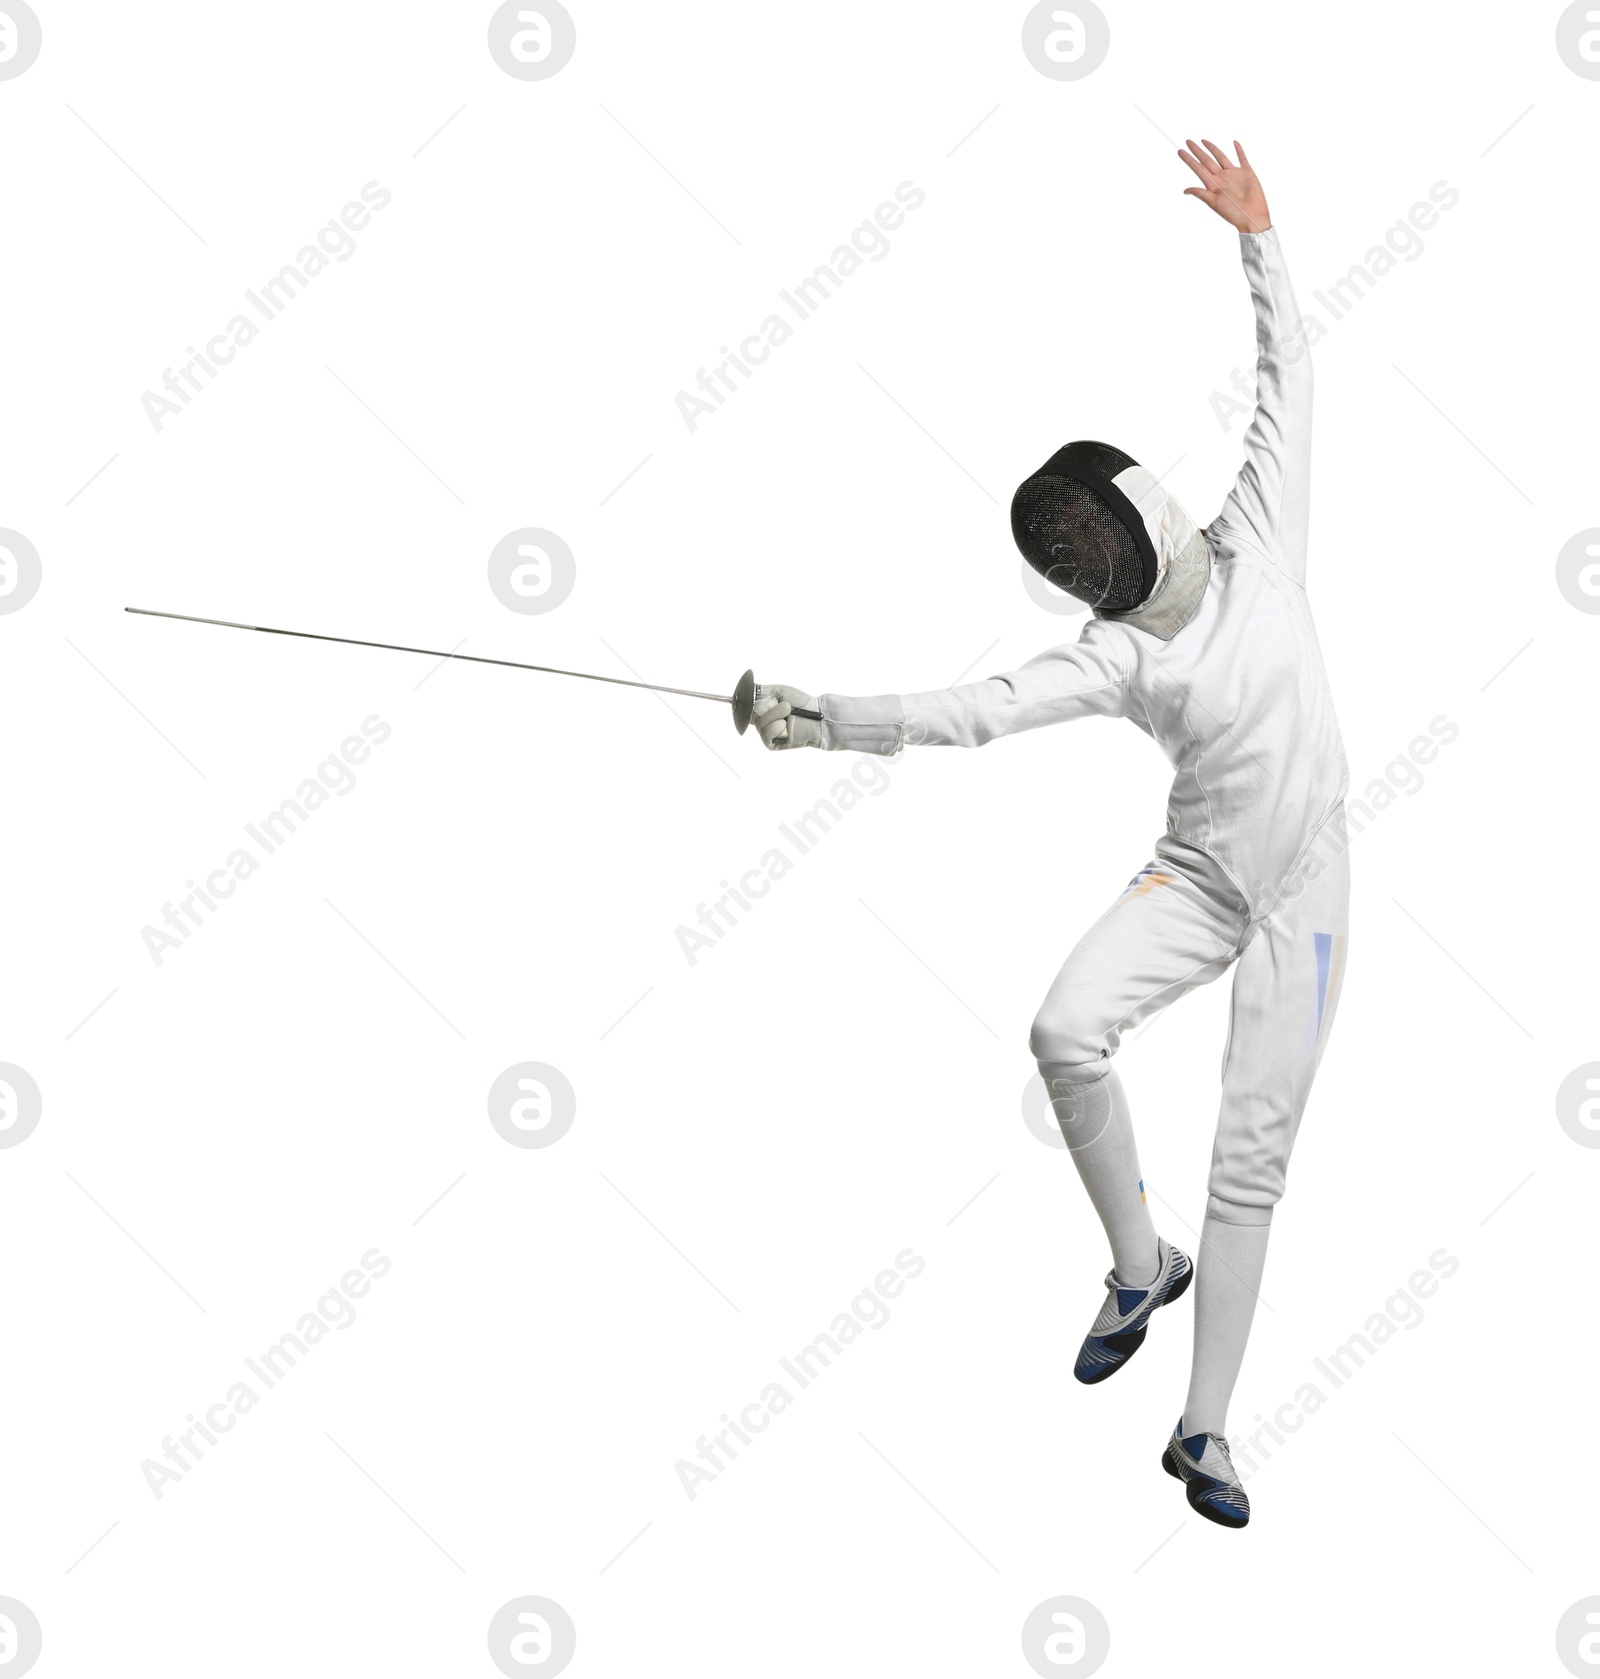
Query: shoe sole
x,y
1179,1289
1169,1462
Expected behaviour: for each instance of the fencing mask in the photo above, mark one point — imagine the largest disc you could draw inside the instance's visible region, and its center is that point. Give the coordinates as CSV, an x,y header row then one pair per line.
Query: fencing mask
x,y
1095,523
1078,528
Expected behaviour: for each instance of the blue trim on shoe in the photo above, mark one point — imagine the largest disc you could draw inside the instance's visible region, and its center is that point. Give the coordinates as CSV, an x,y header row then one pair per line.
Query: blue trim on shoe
x,y
1104,1354
1222,1502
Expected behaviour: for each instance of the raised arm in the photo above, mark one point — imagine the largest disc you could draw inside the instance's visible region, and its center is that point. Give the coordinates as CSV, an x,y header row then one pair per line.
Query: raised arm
x,y
1085,678
1269,505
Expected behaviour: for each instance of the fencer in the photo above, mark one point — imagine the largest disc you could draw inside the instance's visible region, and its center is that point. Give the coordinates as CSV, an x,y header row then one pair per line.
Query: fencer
x,y
1202,638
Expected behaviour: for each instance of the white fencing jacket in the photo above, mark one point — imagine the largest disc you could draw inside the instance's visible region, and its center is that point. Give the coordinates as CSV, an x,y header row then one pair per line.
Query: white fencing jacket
x,y
1220,667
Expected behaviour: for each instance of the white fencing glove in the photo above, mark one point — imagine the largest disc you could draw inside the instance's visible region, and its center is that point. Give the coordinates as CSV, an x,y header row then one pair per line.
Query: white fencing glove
x,y
776,718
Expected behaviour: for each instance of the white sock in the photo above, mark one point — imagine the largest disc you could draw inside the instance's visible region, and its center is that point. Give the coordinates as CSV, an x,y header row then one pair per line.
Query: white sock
x,y
1094,1120
1233,1255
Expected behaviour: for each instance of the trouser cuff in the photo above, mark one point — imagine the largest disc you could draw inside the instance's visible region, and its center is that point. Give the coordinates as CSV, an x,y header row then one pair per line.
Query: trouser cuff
x,y
1236,1212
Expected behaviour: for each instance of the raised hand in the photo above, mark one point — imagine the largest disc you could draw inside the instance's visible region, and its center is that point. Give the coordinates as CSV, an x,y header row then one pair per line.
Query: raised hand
x,y
1231,189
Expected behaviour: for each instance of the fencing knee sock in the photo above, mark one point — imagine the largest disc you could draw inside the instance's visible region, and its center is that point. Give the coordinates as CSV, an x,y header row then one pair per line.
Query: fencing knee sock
x,y
1094,1120
1233,1255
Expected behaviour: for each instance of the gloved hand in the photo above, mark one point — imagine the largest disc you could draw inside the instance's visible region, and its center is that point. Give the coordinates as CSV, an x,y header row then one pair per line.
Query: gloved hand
x,y
780,731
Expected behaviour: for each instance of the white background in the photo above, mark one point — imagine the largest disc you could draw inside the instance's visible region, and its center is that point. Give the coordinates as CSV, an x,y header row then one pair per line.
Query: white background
x,y
841,1075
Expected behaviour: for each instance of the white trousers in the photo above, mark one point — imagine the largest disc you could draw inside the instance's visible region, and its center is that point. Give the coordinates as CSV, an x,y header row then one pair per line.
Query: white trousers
x,y
1180,923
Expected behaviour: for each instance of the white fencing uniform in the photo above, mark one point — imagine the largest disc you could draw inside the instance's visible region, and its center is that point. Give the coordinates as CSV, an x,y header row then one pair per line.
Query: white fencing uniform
x,y
1221,667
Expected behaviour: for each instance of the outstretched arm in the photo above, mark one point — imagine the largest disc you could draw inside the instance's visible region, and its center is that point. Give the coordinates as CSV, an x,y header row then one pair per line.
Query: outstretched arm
x,y
1085,678
1269,506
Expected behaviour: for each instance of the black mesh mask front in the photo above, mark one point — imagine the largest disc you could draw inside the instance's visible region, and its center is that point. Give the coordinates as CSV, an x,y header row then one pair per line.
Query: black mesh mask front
x,y
1081,533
